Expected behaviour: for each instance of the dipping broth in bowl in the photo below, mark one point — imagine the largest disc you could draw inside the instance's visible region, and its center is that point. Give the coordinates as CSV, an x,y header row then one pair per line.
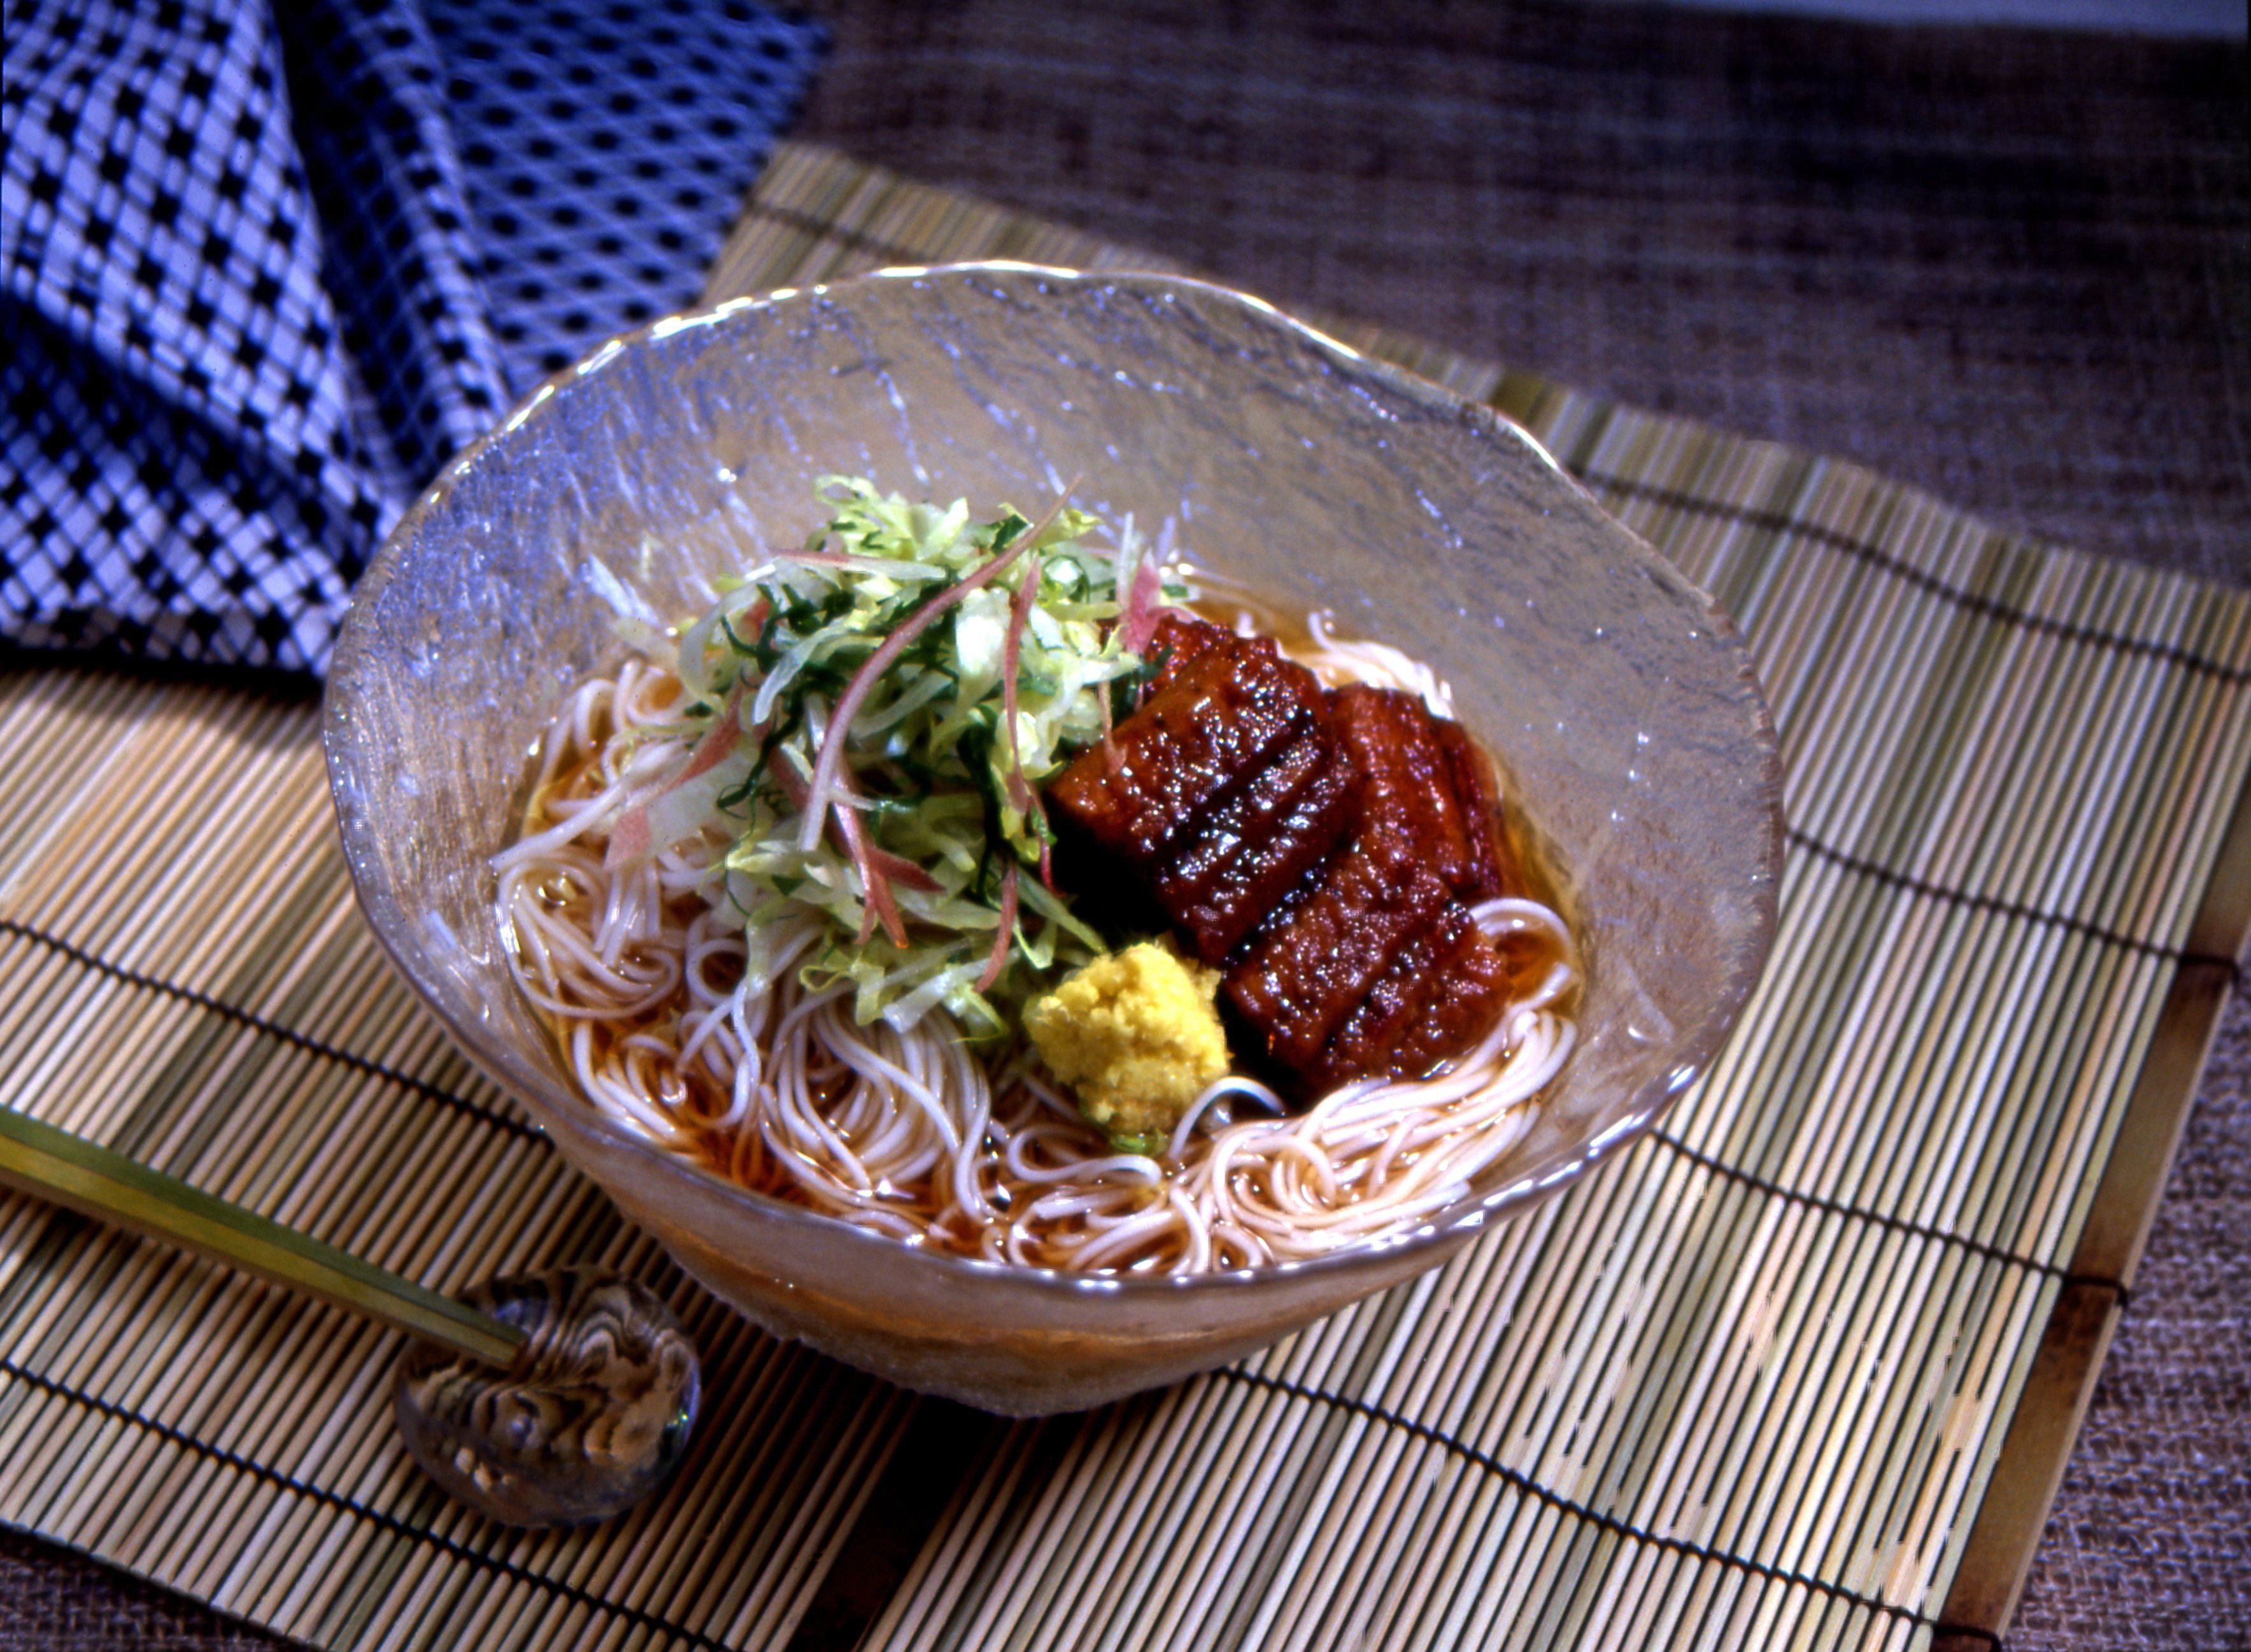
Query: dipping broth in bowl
x,y
1038,946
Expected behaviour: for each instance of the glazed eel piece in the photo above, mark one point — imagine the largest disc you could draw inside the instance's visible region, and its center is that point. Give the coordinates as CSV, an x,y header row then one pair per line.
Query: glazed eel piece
x,y
1321,848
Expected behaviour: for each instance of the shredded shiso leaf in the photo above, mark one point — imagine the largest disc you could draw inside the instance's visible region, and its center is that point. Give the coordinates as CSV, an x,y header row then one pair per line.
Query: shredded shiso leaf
x,y
915,832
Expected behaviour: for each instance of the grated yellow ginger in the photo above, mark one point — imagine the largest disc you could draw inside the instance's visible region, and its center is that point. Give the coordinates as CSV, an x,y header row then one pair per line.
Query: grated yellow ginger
x,y
1137,1034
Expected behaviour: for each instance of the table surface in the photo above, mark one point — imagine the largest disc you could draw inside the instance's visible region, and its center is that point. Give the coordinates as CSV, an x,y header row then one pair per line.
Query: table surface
x,y
2012,267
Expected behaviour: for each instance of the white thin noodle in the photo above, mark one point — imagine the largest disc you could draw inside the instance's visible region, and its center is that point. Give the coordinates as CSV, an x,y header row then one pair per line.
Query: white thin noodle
x,y
910,1134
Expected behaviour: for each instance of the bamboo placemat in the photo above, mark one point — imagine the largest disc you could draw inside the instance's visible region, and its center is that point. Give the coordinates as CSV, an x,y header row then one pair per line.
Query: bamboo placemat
x,y
1800,1369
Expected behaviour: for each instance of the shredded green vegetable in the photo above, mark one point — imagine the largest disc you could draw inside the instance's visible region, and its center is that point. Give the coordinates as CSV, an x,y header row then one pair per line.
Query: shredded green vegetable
x,y
942,791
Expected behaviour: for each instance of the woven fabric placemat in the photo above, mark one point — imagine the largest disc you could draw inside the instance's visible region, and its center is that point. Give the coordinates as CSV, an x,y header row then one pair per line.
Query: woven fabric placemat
x,y
1800,1368
2010,265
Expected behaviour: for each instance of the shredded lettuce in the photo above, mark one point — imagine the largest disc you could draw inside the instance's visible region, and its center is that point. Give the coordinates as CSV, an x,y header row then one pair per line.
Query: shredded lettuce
x,y
941,784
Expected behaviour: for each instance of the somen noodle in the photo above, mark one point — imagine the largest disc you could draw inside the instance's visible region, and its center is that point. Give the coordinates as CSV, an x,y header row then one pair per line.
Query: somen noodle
x,y
915,1133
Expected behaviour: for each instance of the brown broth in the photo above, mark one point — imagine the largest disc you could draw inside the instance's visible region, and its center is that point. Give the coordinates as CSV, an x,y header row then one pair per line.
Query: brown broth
x,y
747,1159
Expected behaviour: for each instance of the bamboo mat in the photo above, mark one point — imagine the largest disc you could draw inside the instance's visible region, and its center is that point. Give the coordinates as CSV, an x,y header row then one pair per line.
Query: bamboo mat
x,y
1799,1369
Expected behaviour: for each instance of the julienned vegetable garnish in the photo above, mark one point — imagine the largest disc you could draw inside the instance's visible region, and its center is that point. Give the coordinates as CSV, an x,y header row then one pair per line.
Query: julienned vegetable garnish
x,y
873,715
785,892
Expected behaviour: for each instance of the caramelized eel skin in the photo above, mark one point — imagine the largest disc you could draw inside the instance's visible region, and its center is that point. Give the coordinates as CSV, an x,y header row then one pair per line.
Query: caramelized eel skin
x,y
1322,847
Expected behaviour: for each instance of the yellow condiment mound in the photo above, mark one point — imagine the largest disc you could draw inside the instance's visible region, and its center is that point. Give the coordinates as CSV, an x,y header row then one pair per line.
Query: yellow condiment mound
x,y
1136,1034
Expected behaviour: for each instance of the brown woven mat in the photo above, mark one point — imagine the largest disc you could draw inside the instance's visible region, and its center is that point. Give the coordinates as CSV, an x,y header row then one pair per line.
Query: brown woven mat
x,y
2009,266
1283,156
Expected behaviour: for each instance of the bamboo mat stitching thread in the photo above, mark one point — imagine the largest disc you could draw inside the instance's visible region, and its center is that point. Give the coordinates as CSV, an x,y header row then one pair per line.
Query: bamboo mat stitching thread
x,y
2012,908
1422,1430
1894,1224
250,1019
1468,1453
1780,522
424,1087
390,1523
1595,1516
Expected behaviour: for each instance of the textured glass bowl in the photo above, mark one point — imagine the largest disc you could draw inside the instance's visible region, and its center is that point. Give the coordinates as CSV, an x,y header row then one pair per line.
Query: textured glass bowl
x,y
1620,700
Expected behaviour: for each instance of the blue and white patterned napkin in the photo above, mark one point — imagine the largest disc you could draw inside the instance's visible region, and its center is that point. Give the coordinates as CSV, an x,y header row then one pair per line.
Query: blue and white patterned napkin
x,y
266,268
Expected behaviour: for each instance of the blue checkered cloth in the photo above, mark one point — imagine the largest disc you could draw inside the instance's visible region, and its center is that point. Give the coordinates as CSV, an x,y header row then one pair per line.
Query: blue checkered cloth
x,y
266,268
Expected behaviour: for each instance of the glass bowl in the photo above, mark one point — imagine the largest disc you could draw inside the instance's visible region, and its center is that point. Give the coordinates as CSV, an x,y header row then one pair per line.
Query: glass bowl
x,y
1638,749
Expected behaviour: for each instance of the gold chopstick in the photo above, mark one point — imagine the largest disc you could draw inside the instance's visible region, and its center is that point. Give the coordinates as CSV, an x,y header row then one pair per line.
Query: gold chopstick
x,y
38,1158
